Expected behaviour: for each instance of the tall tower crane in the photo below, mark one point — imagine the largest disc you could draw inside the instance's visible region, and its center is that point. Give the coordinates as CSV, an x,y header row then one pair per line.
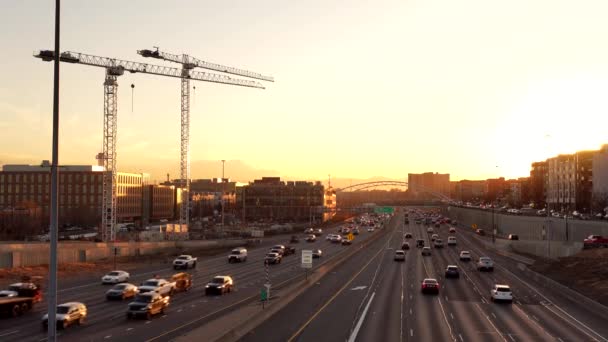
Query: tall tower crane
x,y
114,68
188,63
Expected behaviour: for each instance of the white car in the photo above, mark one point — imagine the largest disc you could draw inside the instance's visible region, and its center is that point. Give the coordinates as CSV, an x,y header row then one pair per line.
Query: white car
x,y
451,241
115,277
485,264
370,229
465,256
430,230
501,293
399,255
161,286
336,238
67,314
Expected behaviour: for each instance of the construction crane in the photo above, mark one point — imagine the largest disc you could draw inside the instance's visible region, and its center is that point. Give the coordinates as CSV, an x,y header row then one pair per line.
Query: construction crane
x,y
188,63
115,68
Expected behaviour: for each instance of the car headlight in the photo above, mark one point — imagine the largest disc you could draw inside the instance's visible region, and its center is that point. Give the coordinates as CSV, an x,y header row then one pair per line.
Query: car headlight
x,y
207,286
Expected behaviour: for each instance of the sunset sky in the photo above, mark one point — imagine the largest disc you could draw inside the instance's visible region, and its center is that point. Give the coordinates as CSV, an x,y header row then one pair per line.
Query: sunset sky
x,y
474,88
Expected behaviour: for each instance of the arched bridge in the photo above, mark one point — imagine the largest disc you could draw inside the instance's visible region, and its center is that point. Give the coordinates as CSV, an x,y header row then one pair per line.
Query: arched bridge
x,y
368,185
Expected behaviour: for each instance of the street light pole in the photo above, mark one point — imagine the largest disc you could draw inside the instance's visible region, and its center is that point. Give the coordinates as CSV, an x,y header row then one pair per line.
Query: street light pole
x,y
223,192
52,293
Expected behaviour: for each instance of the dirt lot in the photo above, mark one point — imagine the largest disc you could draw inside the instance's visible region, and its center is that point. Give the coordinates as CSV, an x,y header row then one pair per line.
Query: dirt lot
x,y
586,272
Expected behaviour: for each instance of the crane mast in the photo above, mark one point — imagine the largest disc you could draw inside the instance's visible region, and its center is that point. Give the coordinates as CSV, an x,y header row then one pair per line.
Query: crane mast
x,y
115,68
188,63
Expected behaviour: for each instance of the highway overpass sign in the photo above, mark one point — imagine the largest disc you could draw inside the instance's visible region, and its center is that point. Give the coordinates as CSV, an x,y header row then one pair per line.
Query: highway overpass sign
x,y
384,210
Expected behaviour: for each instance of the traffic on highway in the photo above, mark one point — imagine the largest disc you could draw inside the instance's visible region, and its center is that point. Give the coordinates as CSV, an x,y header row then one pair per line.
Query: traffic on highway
x,y
461,291
163,303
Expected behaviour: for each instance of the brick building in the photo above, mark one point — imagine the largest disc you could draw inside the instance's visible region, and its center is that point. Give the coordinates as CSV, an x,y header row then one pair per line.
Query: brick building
x,y
271,199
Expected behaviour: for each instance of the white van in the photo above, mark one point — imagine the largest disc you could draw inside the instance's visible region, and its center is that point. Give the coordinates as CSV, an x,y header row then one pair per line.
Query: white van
x,y
238,255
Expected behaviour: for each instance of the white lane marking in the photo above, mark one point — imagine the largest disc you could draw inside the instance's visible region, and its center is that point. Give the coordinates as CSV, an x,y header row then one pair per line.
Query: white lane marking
x,y
460,336
410,297
483,300
446,320
446,298
411,312
357,288
163,316
516,307
493,315
107,337
560,340
511,337
10,333
148,322
492,324
554,305
129,329
451,315
353,336
536,318
411,332
401,311
179,310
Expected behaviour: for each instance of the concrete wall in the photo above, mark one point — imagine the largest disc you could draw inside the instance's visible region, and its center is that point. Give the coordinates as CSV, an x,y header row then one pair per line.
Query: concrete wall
x,y
530,231
548,249
529,227
37,253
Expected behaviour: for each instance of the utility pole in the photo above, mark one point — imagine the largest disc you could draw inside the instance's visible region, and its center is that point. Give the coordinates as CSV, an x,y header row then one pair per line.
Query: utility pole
x,y
52,304
223,192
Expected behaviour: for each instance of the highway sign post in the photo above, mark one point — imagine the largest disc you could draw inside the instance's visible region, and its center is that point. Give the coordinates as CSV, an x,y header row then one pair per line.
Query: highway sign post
x,y
306,260
350,237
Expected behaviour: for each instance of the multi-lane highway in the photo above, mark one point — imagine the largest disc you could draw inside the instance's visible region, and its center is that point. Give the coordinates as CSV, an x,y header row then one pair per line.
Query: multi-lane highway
x,y
371,297
107,320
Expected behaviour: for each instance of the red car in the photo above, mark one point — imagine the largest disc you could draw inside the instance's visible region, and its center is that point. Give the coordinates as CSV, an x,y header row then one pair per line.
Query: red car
x,y
595,241
430,285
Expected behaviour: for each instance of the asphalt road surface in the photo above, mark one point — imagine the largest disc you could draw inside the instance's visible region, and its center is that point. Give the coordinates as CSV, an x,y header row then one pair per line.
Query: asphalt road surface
x,y
107,319
371,297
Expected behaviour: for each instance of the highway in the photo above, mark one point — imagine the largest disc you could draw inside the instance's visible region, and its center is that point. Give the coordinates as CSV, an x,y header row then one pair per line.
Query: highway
x,y
107,319
371,297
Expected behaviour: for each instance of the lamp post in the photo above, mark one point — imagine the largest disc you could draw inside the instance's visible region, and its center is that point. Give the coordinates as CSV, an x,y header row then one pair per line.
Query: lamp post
x,y
223,191
52,293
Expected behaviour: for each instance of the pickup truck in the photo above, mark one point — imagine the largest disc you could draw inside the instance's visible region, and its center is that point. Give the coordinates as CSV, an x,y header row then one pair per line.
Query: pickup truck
x,y
19,298
184,261
595,241
161,286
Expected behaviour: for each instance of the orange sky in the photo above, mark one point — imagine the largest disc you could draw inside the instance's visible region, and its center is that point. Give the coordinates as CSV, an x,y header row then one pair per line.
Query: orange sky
x,y
475,88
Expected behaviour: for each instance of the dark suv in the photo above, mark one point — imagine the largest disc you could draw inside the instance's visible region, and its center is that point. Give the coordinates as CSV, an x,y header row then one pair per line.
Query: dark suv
x,y
419,243
147,304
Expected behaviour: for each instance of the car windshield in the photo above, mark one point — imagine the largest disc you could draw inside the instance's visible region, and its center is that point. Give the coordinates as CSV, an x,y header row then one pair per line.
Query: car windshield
x,y
120,287
113,274
63,309
143,299
217,280
400,253
272,255
452,268
182,257
151,283
503,289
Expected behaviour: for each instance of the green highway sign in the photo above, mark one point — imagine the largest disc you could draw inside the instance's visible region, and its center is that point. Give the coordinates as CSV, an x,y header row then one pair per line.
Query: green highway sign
x,y
384,210
264,294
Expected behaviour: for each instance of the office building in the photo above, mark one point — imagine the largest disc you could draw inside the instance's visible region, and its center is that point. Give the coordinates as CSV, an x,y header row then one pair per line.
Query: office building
x,y
429,183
